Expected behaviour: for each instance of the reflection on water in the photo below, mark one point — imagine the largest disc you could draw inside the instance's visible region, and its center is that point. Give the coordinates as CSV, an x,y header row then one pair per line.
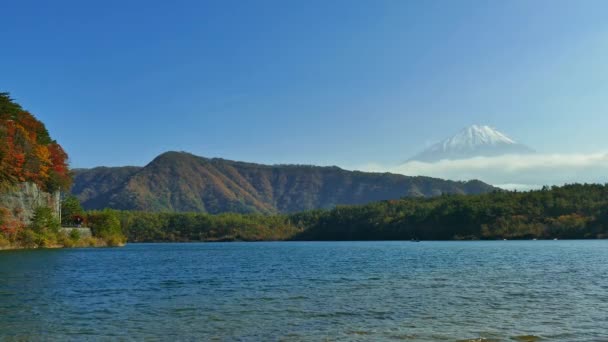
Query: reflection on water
x,y
429,291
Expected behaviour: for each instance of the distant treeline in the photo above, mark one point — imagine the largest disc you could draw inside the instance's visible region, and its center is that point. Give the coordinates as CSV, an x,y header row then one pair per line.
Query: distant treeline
x,y
568,212
155,227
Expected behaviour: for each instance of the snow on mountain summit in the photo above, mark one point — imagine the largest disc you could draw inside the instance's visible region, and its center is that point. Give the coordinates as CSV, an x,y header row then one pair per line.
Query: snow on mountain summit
x,y
473,136
473,141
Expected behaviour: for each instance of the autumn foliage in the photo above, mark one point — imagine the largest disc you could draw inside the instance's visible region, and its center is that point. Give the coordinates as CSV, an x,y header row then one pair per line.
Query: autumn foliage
x,y
27,152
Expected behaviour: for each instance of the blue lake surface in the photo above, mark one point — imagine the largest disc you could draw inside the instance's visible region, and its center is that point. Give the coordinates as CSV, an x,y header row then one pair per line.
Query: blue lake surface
x,y
290,291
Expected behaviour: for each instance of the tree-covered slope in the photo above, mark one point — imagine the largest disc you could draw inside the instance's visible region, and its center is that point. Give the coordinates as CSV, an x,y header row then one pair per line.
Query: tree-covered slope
x,y
33,167
94,183
27,152
177,181
570,212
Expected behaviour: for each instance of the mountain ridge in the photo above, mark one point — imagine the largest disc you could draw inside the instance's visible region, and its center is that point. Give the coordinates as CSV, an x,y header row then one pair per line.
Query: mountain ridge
x,y
181,181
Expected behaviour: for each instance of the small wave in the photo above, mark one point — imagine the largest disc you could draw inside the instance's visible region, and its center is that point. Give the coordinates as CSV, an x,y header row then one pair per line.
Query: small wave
x,y
171,283
359,332
526,338
297,298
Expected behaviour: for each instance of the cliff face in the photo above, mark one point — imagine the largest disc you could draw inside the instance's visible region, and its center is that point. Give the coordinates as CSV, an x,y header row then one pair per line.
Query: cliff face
x,y
21,202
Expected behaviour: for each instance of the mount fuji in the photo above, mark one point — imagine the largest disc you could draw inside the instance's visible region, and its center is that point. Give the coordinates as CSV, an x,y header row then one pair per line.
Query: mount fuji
x,y
473,141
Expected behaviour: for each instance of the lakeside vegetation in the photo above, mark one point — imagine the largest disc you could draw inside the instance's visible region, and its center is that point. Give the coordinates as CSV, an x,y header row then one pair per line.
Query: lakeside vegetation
x,y
28,154
45,232
577,211
183,227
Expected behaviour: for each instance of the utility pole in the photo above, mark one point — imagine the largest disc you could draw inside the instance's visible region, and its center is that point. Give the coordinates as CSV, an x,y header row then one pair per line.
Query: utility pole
x,y
59,204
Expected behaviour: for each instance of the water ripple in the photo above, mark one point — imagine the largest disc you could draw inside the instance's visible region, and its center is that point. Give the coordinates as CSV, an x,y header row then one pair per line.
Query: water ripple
x,y
337,291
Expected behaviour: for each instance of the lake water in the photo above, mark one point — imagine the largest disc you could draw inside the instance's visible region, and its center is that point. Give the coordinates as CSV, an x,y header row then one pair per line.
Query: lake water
x,y
427,291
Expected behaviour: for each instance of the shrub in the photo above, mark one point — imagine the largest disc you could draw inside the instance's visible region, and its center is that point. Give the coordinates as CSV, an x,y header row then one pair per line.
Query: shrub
x,y
74,235
115,240
91,242
64,240
46,239
4,242
28,238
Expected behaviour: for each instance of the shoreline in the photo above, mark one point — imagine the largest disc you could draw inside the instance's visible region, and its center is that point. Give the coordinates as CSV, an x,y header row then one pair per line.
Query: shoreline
x,y
16,248
258,241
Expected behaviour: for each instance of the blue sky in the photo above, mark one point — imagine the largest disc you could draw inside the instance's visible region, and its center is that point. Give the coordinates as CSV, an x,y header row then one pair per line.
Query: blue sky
x,y
314,82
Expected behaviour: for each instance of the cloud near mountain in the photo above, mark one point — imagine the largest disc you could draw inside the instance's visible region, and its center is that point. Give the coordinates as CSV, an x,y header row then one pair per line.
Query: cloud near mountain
x,y
482,152
521,172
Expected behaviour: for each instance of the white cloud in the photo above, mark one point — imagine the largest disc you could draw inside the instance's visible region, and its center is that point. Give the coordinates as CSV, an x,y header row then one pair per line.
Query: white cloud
x,y
521,172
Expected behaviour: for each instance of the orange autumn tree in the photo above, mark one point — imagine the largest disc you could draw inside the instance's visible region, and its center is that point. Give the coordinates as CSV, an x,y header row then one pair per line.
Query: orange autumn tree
x,y
27,152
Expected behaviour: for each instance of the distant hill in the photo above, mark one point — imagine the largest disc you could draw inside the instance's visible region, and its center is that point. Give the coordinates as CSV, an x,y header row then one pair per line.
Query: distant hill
x,y
473,141
95,184
178,181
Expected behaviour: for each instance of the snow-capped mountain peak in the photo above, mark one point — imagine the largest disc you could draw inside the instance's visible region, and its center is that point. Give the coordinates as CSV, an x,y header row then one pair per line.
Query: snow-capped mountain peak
x,y
478,135
473,141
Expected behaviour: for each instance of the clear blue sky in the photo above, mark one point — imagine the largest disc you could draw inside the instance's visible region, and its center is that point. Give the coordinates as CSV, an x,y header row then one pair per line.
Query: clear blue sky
x,y
317,82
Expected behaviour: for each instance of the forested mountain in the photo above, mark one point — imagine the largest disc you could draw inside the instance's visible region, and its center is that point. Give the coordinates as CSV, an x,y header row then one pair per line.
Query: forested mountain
x,y
178,181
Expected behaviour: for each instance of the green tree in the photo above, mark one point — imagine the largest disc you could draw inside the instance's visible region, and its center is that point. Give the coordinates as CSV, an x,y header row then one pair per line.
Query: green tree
x,y
43,229
70,207
44,220
106,225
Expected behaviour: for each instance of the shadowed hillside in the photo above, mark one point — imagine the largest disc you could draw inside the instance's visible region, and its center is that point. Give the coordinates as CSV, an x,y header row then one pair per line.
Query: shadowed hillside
x,y
178,181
